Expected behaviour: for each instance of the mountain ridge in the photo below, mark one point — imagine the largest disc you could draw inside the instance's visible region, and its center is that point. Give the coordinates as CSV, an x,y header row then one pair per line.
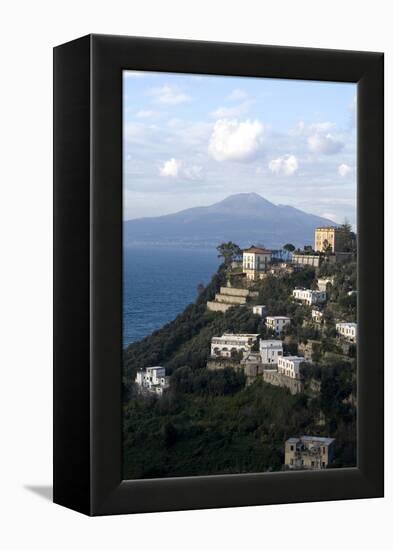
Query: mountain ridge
x,y
242,218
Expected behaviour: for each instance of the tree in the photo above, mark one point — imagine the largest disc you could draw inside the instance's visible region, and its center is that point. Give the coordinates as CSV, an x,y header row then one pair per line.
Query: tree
x,y
327,248
289,247
228,251
349,237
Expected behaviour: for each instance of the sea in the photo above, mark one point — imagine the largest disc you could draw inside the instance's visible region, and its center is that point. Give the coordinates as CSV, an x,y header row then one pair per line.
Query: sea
x,y
158,283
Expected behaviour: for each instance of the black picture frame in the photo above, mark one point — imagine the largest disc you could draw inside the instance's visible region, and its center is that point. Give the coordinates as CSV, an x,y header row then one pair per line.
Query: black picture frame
x,y
88,274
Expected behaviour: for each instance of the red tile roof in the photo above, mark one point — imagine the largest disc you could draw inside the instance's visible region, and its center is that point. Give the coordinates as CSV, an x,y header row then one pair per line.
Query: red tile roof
x,y
256,250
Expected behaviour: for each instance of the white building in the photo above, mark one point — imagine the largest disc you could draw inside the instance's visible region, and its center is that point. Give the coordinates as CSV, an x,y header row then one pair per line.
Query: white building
x,y
255,262
270,351
347,331
259,310
277,323
290,366
316,315
308,296
223,346
152,380
323,283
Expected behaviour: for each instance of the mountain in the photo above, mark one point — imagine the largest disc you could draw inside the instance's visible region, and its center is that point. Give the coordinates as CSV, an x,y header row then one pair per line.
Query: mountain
x,y
245,218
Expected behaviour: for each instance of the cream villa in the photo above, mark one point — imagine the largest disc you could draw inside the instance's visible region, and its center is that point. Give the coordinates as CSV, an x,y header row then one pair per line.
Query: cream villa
x,y
270,351
308,296
290,366
255,262
223,346
347,331
152,380
333,237
277,323
309,452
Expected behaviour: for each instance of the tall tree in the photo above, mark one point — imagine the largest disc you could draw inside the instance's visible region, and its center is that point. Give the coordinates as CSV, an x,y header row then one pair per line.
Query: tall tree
x,y
229,251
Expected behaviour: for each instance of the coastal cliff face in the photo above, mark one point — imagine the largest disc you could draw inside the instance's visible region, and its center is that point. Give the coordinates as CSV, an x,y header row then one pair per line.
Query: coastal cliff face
x,y
242,218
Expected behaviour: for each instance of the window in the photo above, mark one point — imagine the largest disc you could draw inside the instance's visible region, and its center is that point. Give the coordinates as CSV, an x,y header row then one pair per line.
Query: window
x,y
291,447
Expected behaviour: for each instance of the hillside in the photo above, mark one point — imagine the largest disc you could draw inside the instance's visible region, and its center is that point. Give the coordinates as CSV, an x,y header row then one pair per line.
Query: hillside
x,y
243,218
209,422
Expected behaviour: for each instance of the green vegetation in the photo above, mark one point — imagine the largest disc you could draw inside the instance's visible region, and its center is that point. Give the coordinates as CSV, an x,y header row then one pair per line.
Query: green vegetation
x,y
191,434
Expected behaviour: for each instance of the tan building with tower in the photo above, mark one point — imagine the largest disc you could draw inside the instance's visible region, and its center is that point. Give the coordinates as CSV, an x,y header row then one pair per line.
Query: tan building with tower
x,y
330,236
309,452
255,262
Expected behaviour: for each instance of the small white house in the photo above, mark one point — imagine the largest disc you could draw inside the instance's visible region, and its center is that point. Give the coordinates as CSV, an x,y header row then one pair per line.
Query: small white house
x,y
323,283
290,366
277,323
316,316
152,380
308,296
223,346
347,331
270,351
259,310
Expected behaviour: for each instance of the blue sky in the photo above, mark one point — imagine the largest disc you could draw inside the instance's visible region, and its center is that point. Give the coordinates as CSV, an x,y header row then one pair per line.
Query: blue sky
x,y
192,140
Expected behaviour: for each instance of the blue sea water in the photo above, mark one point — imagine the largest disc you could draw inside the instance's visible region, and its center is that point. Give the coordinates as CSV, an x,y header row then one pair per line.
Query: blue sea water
x,y
158,284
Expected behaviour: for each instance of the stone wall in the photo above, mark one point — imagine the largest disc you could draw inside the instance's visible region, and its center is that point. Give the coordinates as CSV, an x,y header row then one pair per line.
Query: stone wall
x,y
215,306
275,378
218,364
237,292
234,300
229,297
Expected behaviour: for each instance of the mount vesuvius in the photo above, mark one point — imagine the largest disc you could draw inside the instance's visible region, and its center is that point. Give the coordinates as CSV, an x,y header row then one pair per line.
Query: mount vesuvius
x,y
244,218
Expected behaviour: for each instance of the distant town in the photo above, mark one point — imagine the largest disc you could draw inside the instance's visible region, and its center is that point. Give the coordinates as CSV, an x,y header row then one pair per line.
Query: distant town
x,y
311,328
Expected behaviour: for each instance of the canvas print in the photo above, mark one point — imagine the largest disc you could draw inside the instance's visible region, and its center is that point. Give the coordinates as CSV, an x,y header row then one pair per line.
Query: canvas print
x,y
239,275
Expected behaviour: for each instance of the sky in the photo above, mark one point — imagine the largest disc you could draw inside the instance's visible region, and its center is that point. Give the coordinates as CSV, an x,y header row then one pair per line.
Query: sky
x,y
192,140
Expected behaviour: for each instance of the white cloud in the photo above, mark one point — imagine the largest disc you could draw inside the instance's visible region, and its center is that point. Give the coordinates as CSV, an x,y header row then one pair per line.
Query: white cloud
x,y
176,168
286,165
344,170
233,140
321,126
237,95
145,114
170,95
230,112
325,143
170,168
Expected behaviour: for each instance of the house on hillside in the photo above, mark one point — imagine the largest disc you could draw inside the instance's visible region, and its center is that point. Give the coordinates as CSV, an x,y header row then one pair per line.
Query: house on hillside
x,y
332,237
259,310
309,452
152,380
270,351
347,330
225,345
323,283
290,366
255,262
308,296
277,323
317,316
300,259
